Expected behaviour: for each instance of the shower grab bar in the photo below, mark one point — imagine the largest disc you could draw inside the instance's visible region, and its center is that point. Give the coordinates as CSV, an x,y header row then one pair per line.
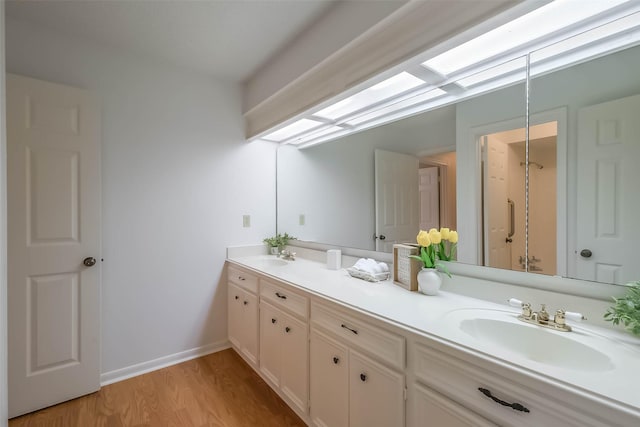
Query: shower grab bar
x,y
512,215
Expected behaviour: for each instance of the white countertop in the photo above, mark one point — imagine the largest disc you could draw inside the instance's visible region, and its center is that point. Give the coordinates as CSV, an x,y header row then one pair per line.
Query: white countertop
x,y
432,315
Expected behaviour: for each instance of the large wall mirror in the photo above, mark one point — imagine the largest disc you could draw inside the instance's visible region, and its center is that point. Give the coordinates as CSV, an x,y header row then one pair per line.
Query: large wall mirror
x,y
565,204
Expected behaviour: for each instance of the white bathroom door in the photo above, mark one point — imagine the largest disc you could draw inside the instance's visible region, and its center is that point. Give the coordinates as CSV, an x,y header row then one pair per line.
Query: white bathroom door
x,y
608,177
497,252
429,189
53,195
396,188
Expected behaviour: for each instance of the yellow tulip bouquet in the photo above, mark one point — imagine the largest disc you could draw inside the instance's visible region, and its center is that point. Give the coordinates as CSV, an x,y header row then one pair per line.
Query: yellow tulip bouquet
x,y
436,245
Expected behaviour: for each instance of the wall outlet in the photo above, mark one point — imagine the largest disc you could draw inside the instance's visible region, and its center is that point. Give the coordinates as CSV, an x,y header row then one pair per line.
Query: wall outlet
x,y
301,219
246,221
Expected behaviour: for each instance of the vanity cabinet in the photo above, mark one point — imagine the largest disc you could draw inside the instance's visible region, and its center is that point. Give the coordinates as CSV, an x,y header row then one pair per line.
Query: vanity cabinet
x,y
456,378
431,409
242,313
284,343
349,387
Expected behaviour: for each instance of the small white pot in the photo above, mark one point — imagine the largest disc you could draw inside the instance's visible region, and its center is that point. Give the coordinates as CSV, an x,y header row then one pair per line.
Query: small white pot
x,y
274,250
429,281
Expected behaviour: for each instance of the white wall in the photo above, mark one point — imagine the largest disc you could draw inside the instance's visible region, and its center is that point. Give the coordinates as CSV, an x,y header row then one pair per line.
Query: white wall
x,y
176,180
4,414
333,184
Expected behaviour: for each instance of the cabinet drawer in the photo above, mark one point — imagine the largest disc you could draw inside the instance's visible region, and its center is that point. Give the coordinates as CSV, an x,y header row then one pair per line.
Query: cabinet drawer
x,y
387,346
242,278
285,299
461,381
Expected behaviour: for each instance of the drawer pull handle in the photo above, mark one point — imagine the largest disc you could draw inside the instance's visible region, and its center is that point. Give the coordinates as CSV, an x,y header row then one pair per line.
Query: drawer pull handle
x,y
515,406
246,303
241,278
273,320
279,295
349,329
237,297
336,360
287,329
363,377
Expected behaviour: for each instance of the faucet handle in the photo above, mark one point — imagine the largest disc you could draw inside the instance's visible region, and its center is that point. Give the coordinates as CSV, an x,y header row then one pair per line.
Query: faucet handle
x,y
543,314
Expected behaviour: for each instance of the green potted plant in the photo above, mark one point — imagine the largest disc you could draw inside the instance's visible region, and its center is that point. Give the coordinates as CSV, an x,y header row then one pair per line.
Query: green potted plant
x,y
627,310
277,242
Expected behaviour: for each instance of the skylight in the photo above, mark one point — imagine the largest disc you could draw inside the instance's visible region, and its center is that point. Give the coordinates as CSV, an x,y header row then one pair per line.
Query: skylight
x,y
384,90
435,93
543,21
556,35
291,130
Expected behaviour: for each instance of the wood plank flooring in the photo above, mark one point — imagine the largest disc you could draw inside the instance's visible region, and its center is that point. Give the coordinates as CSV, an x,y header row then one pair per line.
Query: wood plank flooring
x,y
215,390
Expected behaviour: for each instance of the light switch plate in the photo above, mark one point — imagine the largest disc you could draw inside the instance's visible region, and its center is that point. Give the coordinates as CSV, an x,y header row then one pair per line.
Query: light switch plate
x,y
246,221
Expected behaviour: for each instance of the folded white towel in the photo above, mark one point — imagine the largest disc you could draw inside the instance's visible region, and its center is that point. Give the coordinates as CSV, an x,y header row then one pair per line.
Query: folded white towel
x,y
371,266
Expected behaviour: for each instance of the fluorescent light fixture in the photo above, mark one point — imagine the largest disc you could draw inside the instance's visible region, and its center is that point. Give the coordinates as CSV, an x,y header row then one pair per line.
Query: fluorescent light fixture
x,y
614,34
291,130
316,134
435,93
518,64
384,90
543,21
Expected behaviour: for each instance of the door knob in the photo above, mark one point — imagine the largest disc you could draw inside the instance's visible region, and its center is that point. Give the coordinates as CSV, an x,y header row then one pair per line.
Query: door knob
x,y
586,253
381,237
89,261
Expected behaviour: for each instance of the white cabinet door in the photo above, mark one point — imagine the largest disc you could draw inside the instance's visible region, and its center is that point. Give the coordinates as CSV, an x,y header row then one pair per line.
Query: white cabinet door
x,y
234,315
53,243
242,318
294,373
431,409
250,326
376,394
270,325
329,367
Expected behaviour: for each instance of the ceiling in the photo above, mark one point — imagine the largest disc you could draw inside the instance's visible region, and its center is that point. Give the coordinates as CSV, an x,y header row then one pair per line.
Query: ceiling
x,y
229,39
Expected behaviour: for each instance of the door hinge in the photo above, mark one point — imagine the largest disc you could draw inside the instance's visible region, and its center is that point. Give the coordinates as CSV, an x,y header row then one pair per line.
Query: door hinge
x,y
404,393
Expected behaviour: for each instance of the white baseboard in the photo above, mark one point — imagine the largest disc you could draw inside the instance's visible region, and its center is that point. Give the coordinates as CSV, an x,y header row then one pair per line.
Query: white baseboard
x,y
161,362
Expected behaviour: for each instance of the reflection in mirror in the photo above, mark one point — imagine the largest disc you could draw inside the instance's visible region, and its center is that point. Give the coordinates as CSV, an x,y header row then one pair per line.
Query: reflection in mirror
x,y
504,199
379,187
598,169
327,194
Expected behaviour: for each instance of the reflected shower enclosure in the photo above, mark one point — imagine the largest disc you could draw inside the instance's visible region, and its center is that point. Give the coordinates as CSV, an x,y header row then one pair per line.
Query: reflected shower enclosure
x,y
504,199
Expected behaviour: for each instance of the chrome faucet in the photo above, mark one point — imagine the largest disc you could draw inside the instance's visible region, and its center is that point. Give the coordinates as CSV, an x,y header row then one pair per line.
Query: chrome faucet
x,y
288,255
541,318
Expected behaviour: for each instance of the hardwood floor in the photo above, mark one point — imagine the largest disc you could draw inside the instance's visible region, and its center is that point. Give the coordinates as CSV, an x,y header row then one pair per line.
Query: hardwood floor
x,y
215,390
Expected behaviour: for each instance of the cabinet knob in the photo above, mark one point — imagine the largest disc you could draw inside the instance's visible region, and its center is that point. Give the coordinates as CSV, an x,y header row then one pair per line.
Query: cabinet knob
x,y
336,360
246,303
287,329
281,296
363,377
273,320
237,297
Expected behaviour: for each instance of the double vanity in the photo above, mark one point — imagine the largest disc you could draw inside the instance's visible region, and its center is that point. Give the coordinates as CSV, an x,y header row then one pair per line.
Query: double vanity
x,y
344,352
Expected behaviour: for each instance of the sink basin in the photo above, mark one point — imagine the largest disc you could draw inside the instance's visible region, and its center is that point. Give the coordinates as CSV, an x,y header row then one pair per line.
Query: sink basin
x,y
502,330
